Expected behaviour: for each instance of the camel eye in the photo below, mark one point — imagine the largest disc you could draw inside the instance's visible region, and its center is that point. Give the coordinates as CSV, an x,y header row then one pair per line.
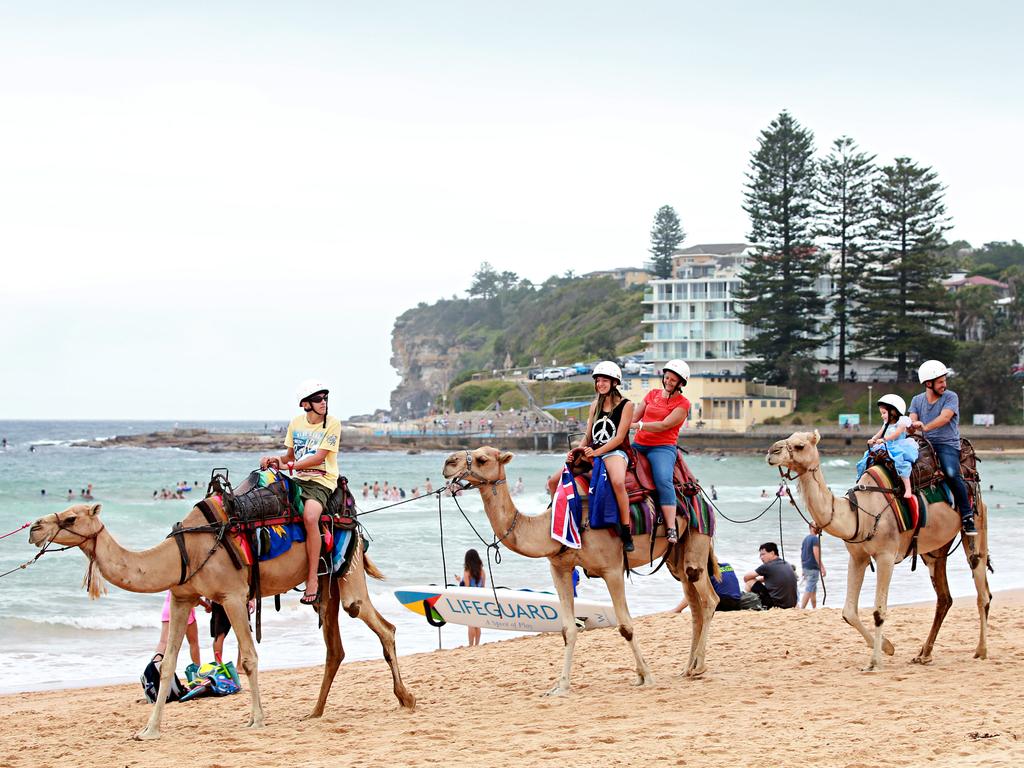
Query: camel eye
x,y
482,460
70,520
799,446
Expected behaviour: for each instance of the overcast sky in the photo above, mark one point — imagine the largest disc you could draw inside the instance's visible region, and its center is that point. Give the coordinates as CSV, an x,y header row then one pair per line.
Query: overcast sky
x,y
202,204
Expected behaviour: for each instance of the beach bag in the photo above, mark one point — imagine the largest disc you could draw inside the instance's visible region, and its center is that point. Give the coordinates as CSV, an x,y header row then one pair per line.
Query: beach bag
x,y
150,680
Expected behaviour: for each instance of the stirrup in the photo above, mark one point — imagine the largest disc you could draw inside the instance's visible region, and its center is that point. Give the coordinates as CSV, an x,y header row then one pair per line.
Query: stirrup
x,y
672,535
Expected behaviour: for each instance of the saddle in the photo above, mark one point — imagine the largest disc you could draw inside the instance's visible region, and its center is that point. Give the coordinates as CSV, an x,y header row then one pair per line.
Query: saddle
x,y
253,506
927,472
639,476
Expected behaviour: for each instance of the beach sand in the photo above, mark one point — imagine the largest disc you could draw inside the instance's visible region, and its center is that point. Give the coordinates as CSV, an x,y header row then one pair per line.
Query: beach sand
x,y
782,688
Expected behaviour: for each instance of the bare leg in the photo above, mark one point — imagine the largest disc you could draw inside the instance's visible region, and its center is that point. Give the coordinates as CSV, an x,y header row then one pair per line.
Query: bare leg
x,y
617,589
236,608
311,512
175,632
907,493
563,585
192,634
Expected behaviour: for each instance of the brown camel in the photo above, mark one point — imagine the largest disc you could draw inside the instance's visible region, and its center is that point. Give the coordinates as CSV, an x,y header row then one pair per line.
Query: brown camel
x,y
601,555
159,569
871,533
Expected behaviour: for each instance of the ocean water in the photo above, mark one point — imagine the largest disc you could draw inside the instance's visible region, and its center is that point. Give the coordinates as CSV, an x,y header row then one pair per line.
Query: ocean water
x,y
52,635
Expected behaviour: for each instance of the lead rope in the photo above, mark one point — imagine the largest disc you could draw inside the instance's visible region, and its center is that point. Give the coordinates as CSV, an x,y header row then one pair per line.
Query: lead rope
x,y
444,564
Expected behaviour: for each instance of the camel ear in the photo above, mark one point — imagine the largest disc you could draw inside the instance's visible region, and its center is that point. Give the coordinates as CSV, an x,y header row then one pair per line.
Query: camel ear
x,y
815,437
505,457
95,509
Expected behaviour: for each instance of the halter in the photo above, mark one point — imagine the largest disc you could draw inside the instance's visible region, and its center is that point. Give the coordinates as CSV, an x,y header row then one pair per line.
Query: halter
x,y
460,481
788,474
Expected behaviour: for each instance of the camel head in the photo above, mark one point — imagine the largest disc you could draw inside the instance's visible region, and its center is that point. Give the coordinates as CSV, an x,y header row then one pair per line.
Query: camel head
x,y
472,469
71,528
798,452
76,525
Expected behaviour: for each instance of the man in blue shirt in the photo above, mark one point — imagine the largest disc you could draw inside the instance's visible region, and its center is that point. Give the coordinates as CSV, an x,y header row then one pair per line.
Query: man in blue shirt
x,y
936,413
813,567
730,597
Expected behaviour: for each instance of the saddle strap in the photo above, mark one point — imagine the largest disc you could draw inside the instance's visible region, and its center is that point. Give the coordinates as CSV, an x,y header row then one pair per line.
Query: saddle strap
x,y
179,539
211,518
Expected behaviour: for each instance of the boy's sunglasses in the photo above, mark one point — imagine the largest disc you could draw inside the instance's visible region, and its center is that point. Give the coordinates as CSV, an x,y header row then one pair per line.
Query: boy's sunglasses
x,y
316,399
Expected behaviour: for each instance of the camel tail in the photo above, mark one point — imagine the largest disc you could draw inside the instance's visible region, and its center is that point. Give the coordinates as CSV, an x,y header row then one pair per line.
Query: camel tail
x,y
371,569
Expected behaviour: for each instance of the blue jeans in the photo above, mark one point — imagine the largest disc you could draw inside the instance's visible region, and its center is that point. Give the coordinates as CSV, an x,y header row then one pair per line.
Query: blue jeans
x,y
663,461
949,461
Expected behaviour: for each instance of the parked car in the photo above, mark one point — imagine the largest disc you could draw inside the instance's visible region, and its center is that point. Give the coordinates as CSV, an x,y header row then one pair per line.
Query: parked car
x,y
631,367
582,369
646,369
534,373
552,373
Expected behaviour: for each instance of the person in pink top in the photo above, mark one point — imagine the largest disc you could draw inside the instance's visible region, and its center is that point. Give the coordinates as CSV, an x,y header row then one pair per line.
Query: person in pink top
x,y
658,419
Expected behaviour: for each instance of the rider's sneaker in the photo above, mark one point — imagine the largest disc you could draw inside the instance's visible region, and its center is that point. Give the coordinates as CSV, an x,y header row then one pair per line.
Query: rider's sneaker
x,y
967,523
627,538
672,535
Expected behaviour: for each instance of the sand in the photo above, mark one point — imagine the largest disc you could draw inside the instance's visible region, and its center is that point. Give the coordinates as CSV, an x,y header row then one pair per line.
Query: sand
x,y
783,688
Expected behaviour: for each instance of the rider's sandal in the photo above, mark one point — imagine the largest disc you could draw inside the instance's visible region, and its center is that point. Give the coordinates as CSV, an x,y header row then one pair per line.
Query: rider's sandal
x,y
308,599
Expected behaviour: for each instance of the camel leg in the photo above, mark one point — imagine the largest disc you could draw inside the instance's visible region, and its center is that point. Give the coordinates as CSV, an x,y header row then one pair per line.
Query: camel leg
x,y
702,598
563,586
977,559
884,564
617,588
854,581
937,570
355,598
330,600
175,633
235,606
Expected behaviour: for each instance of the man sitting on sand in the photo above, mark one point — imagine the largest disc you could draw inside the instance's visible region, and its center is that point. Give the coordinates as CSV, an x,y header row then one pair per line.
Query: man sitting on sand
x,y
774,580
730,598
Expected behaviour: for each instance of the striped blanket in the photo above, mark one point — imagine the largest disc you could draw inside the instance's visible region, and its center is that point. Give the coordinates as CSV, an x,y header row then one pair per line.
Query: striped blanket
x,y
907,511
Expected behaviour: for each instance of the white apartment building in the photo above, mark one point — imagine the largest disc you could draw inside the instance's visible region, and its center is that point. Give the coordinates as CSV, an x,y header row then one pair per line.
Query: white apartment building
x,y
693,314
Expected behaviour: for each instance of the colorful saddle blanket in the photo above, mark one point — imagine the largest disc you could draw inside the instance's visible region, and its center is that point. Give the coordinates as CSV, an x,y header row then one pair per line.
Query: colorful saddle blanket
x,y
908,515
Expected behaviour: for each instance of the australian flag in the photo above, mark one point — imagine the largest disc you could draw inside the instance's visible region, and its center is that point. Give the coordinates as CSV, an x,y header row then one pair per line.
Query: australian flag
x,y
566,512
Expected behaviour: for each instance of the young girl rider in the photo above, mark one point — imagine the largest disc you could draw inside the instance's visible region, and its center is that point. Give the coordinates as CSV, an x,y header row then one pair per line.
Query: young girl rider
x,y
313,440
606,434
658,419
893,436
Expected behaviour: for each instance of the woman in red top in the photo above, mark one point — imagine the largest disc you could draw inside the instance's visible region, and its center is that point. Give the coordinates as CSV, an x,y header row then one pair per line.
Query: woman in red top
x,y
658,419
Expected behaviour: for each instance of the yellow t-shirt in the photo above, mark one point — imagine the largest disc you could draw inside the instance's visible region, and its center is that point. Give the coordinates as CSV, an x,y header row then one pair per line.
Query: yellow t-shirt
x,y
305,439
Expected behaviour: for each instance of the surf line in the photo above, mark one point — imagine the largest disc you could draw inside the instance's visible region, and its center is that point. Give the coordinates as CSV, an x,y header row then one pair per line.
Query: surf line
x,y
496,610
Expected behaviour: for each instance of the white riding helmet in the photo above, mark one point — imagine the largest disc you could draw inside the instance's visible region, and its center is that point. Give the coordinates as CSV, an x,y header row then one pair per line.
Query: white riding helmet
x,y
609,369
310,387
931,369
896,402
679,368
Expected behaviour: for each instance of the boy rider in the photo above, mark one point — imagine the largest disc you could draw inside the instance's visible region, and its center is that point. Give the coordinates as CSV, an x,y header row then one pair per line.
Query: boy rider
x,y
313,440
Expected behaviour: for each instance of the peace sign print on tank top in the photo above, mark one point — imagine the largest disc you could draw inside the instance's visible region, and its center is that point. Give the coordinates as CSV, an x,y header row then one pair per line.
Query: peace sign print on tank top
x,y
606,425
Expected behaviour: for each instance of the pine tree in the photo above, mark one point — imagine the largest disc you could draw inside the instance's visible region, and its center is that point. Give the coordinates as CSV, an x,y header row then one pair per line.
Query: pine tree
x,y
779,301
904,306
666,235
845,207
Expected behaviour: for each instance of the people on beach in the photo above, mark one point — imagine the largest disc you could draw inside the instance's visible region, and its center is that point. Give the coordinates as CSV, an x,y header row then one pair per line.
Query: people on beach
x,y
427,487
936,414
518,487
658,420
812,566
774,580
606,434
191,631
220,625
313,440
892,438
473,576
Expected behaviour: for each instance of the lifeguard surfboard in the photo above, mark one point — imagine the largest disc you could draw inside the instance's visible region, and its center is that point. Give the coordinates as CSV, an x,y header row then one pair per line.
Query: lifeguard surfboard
x,y
515,610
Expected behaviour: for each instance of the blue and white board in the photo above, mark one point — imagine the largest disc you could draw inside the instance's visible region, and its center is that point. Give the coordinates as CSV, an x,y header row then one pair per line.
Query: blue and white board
x,y
516,610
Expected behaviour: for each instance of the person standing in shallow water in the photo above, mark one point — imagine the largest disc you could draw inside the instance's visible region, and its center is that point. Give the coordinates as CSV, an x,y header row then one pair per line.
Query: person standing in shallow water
x,y
313,439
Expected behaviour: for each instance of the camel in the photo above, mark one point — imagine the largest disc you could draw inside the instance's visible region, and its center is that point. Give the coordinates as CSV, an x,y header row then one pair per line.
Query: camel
x,y
159,568
601,555
871,534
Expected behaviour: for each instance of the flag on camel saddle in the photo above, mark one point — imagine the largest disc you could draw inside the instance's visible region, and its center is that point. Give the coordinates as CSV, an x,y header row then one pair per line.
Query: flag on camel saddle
x,y
566,511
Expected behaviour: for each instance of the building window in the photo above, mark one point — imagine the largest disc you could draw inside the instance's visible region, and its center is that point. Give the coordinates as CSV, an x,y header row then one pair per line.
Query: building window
x,y
764,403
774,405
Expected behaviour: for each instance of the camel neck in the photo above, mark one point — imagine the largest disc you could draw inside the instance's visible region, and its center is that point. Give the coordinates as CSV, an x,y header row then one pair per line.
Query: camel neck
x,y
829,513
151,570
531,535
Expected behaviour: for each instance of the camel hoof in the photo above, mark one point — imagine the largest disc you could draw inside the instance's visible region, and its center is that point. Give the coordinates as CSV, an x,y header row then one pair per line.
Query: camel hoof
x,y
696,671
408,702
147,735
872,668
255,724
640,681
921,660
558,690
981,653
314,715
